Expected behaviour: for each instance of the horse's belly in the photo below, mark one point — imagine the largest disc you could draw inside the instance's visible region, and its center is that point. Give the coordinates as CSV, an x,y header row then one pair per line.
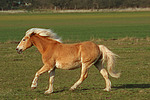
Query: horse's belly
x,y
68,65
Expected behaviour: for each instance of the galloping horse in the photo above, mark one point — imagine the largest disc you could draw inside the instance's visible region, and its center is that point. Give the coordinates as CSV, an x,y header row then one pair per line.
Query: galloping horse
x,y
55,55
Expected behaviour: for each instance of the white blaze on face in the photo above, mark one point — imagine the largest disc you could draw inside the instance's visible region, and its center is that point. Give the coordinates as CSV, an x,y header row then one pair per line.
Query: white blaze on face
x,y
20,46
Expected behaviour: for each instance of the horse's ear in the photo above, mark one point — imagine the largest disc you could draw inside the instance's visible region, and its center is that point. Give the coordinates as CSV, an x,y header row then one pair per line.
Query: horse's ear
x,y
32,34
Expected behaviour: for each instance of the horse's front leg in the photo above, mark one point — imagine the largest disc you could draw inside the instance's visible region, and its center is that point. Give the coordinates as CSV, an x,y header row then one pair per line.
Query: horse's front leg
x,y
51,80
44,69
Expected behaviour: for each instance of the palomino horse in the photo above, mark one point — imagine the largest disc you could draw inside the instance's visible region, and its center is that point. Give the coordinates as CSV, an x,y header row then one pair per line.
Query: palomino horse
x,y
67,56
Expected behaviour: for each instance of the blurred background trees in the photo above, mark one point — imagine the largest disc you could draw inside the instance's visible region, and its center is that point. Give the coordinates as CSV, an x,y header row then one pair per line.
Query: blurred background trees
x,y
72,4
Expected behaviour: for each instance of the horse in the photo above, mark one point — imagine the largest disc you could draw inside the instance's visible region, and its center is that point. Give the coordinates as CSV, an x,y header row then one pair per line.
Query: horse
x,y
57,55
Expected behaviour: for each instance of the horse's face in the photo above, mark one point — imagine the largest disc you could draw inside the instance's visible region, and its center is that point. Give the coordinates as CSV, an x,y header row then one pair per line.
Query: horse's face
x,y
24,44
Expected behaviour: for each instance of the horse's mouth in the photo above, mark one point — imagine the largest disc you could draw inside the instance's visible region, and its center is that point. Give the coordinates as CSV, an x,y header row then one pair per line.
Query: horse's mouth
x,y
19,51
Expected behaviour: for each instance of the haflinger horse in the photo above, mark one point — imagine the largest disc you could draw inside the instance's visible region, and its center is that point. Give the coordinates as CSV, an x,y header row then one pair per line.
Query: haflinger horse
x,y
56,54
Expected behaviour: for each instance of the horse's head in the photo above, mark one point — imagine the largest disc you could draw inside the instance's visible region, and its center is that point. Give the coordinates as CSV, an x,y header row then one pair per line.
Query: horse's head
x,y
24,44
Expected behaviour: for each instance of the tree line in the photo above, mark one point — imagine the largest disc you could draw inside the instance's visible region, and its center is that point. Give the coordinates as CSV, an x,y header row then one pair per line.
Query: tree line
x,y
72,4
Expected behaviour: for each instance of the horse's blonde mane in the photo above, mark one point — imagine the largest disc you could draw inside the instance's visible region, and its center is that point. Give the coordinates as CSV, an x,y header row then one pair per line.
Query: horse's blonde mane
x,y
44,32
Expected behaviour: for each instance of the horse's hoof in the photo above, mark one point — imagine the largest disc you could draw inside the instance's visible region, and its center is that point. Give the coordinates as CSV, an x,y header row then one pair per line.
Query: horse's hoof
x,y
48,92
71,89
107,89
32,88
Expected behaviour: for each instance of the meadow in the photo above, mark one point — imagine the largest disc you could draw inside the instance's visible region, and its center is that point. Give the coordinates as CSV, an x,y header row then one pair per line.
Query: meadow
x,y
125,33
77,26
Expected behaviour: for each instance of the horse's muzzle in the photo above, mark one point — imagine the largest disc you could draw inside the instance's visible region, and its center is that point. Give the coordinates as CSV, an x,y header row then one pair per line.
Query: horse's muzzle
x,y
19,50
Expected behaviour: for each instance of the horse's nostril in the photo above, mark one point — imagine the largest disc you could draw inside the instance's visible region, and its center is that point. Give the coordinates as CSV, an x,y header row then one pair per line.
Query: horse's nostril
x,y
19,50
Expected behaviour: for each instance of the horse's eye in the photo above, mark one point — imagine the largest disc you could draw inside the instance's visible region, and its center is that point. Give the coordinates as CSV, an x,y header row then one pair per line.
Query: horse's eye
x,y
24,39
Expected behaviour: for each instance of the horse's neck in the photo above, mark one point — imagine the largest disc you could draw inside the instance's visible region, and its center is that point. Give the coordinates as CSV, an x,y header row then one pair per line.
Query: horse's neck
x,y
41,43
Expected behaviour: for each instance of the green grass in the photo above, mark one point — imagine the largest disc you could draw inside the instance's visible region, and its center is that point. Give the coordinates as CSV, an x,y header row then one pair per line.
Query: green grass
x,y
77,26
17,72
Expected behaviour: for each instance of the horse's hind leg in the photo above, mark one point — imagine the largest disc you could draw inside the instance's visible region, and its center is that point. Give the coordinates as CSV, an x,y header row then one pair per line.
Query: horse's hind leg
x,y
83,76
104,73
45,68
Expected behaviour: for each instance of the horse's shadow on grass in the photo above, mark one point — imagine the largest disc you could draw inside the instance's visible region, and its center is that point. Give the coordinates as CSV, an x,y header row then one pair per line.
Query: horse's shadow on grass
x,y
55,92
120,86
58,91
123,86
67,90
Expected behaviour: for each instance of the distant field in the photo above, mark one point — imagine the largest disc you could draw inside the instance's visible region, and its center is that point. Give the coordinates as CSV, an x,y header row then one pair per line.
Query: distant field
x,y
77,26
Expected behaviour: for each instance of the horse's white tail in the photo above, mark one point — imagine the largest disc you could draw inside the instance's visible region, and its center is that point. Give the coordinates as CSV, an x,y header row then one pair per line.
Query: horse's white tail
x,y
109,57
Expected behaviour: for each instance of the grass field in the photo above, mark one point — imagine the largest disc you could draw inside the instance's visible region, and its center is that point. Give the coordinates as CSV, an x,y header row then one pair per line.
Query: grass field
x,y
78,26
17,72
126,34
